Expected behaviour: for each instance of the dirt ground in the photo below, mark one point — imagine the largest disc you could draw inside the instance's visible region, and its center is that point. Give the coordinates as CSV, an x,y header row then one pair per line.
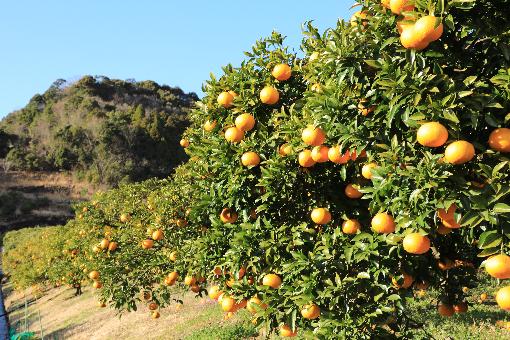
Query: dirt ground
x,y
63,316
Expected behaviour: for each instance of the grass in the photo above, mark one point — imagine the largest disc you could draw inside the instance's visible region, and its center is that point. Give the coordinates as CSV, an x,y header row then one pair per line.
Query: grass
x,y
66,317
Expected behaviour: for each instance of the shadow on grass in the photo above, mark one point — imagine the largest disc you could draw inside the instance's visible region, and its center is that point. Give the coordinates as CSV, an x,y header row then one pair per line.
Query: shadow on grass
x,y
61,333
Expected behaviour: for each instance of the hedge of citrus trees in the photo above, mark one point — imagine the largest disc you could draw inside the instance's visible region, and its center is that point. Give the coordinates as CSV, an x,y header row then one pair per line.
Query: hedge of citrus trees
x,y
322,191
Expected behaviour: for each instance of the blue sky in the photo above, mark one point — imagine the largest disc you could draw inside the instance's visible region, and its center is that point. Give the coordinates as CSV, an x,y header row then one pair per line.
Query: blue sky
x,y
171,42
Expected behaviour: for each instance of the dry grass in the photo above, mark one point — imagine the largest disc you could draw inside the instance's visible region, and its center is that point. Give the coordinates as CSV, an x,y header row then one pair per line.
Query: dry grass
x,y
64,316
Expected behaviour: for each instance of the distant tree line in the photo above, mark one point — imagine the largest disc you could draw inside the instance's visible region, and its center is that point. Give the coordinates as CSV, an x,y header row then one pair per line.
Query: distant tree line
x,y
104,130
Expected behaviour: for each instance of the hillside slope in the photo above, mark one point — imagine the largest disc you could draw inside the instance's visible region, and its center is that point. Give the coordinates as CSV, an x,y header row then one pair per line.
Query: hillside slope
x,y
101,129
39,198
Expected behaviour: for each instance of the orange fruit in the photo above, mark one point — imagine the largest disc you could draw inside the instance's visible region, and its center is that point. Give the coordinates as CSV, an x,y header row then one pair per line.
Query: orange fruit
x,y
94,275
173,256
155,315
503,298
404,24
225,99
432,134
112,246
125,218
97,285
459,152
364,110
399,6
499,140
313,136
285,150
426,29
351,226
228,304
311,311
286,331
195,288
173,276
416,243
147,244
351,192
228,216
483,297
498,266
305,159
336,156
157,235
250,159
168,281
385,3
320,154
214,292
321,216
269,95
245,122
460,307
383,223
233,94
442,230
422,285
251,305
361,15
234,135
272,280
153,306
445,310
410,40
354,155
282,72
104,243
181,222
465,289
209,125
447,264
366,171
406,283
190,280
449,214
184,143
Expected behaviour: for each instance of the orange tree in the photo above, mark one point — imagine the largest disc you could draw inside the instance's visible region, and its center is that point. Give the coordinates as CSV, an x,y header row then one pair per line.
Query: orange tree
x,y
320,192
391,171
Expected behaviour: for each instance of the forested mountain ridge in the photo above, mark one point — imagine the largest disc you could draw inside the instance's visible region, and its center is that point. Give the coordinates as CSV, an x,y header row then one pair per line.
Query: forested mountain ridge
x,y
103,130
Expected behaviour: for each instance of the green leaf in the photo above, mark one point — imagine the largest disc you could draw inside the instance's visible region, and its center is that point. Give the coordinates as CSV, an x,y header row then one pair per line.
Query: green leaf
x,y
501,208
490,239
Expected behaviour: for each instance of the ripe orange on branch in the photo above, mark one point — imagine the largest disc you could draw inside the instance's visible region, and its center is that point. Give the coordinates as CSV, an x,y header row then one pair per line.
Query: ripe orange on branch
x,y
282,72
321,216
399,6
416,243
184,143
313,136
228,216
426,29
351,192
245,122
383,223
366,171
320,154
286,331
305,159
234,134
503,298
311,311
432,134
272,280
269,95
225,99
337,157
250,159
499,140
147,244
351,226
459,152
498,266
